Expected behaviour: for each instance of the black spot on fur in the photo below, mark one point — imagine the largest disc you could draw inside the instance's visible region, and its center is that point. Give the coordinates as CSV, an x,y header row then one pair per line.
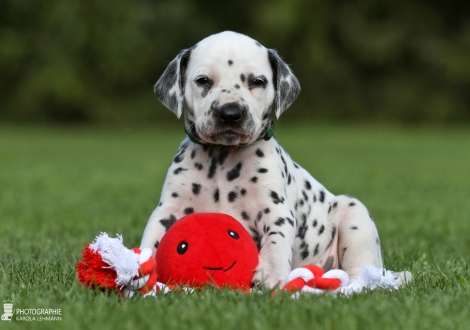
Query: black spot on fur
x,y
180,155
285,164
322,196
289,179
157,243
216,195
179,170
174,195
275,197
193,153
188,210
243,191
196,188
259,153
237,86
315,223
304,254
257,44
354,227
280,221
305,195
291,222
167,223
259,216
263,170
254,179
352,204
234,172
242,77
317,247
230,62
256,237
267,210
302,230
199,166
212,168
295,165
321,230
245,216
206,89
276,233
232,196
222,156
178,158
308,185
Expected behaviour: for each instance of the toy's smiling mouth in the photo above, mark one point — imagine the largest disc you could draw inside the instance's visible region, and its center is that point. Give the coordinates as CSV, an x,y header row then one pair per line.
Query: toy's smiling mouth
x,y
221,268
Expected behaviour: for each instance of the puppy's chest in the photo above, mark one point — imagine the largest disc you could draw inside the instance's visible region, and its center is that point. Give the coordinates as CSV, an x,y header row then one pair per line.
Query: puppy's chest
x,y
222,179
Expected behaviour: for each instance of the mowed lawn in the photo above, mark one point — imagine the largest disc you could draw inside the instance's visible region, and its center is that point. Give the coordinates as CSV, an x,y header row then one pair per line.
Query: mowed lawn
x,y
60,187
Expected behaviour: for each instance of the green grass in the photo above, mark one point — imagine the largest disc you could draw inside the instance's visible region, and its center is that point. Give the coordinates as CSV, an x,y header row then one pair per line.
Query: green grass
x,y
60,187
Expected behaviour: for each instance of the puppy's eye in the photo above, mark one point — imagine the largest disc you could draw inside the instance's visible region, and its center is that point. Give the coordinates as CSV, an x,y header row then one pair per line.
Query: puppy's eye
x,y
182,247
203,81
258,82
233,234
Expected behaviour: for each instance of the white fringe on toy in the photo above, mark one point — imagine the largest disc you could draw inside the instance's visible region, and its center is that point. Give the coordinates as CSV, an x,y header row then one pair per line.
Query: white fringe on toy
x,y
124,261
371,278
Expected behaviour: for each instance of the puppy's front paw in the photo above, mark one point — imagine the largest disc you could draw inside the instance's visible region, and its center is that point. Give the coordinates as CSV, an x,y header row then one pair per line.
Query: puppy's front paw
x,y
268,279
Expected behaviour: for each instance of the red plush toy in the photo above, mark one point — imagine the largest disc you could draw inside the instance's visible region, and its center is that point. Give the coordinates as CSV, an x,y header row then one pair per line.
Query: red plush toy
x,y
199,249
207,248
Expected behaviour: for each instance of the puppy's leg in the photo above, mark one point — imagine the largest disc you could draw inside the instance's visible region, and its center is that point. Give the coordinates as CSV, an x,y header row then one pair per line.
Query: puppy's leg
x,y
357,242
160,221
275,257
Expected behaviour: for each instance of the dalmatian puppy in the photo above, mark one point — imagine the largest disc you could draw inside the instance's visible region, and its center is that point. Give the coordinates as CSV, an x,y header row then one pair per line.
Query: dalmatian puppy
x,y
226,86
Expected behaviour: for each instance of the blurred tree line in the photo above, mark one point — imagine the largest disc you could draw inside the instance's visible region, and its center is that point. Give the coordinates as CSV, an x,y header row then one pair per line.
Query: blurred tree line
x,y
97,60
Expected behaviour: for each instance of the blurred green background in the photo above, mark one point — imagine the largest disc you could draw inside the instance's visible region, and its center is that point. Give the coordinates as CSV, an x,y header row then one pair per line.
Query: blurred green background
x,y
89,61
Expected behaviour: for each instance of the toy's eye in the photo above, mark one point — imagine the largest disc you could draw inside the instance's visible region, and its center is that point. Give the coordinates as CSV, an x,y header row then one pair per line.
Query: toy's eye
x,y
182,247
233,234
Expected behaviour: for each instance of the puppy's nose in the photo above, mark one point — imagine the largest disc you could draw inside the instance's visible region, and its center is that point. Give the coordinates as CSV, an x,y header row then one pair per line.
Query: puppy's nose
x,y
230,113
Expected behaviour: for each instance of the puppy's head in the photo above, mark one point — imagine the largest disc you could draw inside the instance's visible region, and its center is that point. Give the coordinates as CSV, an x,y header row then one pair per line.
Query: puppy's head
x,y
228,83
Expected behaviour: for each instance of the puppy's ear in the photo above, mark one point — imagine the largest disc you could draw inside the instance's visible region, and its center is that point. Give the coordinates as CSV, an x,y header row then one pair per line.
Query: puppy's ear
x,y
286,85
170,87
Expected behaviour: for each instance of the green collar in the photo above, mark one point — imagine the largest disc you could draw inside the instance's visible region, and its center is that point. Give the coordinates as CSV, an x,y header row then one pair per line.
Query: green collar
x,y
265,135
